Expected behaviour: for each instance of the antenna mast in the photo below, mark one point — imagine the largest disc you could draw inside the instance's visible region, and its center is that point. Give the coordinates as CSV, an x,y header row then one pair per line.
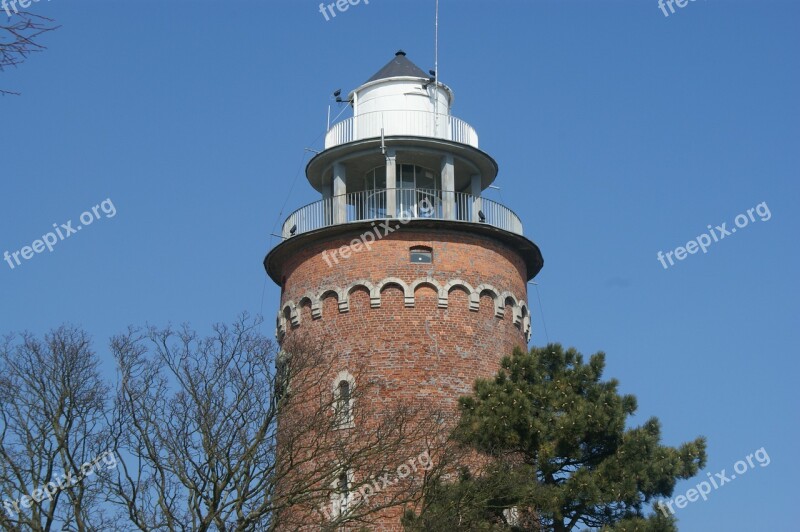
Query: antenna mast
x,y
436,46
436,70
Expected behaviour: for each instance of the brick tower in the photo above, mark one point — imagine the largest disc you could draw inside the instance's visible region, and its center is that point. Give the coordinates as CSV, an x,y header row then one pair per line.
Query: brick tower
x,y
402,264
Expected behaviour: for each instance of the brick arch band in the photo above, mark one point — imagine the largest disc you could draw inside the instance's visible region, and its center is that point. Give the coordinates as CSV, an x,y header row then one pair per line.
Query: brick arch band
x,y
289,313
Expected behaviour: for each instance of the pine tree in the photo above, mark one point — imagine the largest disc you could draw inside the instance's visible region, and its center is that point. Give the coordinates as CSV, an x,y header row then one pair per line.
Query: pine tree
x,y
557,454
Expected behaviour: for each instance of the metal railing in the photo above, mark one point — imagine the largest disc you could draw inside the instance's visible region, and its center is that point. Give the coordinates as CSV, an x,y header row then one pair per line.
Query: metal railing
x,y
401,122
409,204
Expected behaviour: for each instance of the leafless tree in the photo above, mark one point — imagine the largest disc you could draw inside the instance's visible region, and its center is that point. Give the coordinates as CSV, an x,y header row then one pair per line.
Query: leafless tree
x,y
196,426
20,37
373,456
52,403
193,435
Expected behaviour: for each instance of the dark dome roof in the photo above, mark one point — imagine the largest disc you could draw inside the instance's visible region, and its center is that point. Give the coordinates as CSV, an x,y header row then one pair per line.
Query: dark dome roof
x,y
399,66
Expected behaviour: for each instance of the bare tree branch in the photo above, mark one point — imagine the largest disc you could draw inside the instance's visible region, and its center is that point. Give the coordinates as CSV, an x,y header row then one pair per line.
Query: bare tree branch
x,y
196,424
226,432
19,38
52,405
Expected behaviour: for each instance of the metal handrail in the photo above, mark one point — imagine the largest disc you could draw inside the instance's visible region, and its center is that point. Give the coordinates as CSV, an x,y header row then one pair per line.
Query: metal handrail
x,y
401,122
410,204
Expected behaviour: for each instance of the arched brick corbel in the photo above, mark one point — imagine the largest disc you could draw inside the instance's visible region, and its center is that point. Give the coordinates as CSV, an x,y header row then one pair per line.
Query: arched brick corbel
x,y
280,326
408,295
433,283
313,302
474,302
294,316
527,327
520,312
342,301
374,294
499,304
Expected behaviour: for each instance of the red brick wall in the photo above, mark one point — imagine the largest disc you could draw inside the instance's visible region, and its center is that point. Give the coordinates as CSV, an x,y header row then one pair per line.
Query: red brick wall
x,y
423,354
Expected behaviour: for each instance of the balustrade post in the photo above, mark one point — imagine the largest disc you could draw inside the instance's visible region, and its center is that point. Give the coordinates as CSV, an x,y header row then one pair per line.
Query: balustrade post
x,y
448,188
477,204
327,204
339,194
391,183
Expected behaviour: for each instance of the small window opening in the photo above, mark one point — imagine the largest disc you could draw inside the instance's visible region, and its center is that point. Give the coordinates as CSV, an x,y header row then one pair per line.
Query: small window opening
x,y
344,401
421,255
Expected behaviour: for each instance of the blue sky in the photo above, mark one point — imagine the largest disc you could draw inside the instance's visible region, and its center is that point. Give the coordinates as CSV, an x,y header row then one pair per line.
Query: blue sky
x,y
619,133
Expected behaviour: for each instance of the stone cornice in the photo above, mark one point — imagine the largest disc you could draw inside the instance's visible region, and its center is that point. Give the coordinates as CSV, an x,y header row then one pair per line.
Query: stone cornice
x,y
290,311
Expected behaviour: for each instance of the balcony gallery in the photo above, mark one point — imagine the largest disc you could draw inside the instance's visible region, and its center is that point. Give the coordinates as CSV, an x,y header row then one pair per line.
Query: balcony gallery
x,y
409,204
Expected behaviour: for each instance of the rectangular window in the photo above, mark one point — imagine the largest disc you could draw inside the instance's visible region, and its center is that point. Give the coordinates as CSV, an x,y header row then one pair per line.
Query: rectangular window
x,y
421,256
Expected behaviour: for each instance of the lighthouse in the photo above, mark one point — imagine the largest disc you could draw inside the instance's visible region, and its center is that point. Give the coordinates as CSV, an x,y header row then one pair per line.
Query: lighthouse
x,y
402,264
